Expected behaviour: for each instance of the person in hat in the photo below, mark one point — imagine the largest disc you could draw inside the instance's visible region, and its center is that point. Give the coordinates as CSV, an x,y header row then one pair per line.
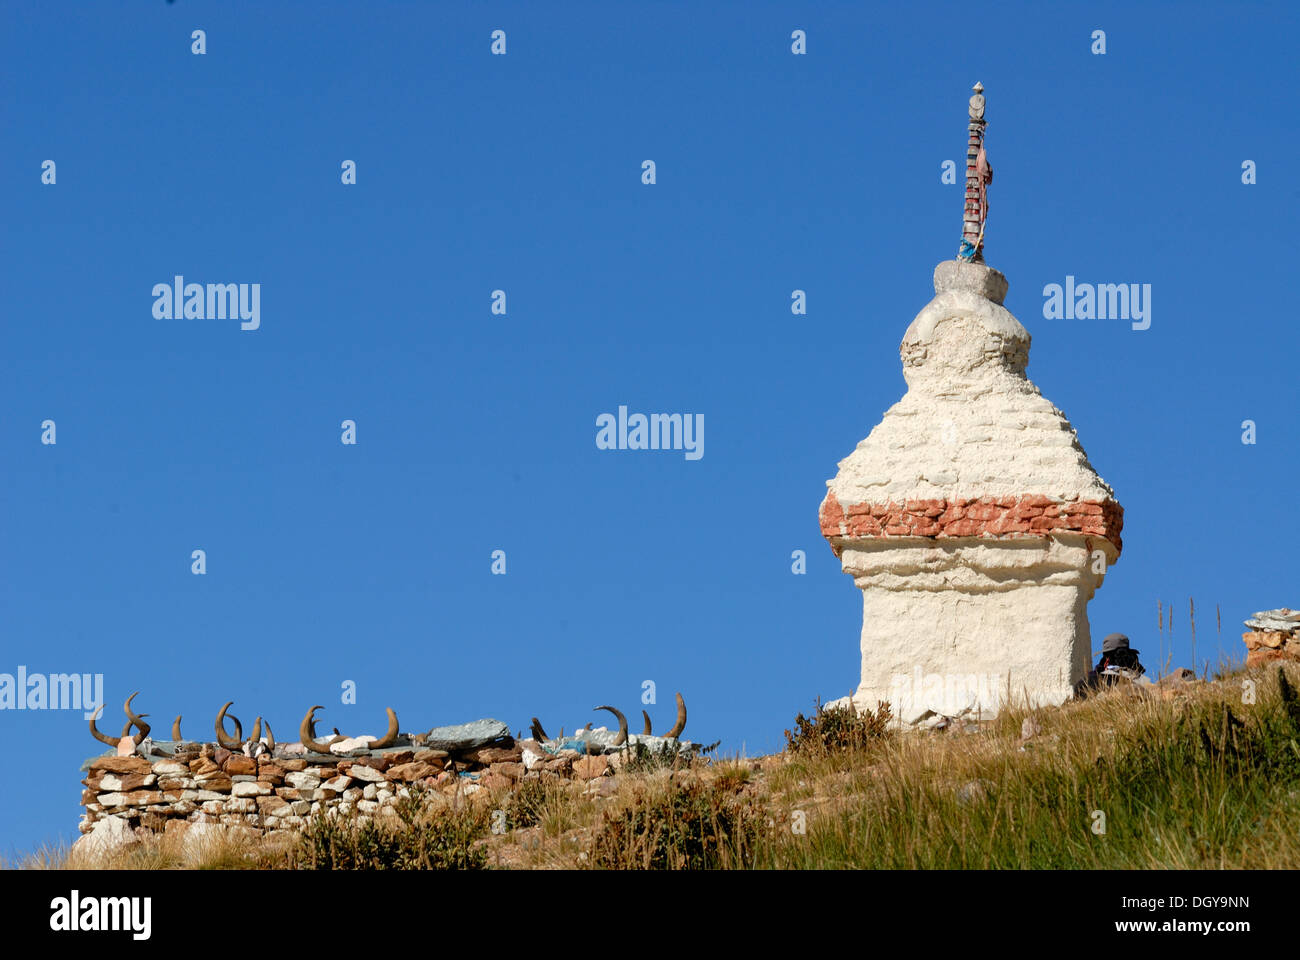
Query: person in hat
x,y
1118,661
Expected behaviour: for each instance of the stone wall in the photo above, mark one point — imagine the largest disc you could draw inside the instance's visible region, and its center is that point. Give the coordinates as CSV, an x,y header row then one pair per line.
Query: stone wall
x,y
139,796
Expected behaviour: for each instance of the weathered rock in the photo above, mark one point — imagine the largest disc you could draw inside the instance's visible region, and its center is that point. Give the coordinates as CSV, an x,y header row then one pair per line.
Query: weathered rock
x,y
238,765
204,766
560,765
177,783
366,773
304,780
126,782
107,836
108,764
1283,620
466,736
254,788
410,772
486,756
510,769
590,767
269,806
430,756
495,781
171,768
136,798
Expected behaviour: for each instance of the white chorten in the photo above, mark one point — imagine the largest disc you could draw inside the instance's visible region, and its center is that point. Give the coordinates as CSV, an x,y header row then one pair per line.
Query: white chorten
x,y
970,517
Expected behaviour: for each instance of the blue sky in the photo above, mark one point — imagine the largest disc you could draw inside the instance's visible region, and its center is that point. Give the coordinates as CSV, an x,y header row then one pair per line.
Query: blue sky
x,y
371,563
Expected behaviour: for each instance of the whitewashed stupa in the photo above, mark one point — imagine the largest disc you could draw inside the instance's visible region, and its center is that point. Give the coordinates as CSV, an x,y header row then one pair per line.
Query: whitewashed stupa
x,y
971,518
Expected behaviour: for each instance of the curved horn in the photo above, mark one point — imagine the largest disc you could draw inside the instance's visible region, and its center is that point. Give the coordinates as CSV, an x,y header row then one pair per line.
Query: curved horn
x,y
102,737
270,738
622,726
680,725
536,730
588,726
305,730
257,731
389,738
176,728
224,739
646,729
136,719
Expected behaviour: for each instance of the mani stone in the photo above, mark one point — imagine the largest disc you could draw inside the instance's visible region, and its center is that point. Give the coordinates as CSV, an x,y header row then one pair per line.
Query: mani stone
x,y
466,736
971,520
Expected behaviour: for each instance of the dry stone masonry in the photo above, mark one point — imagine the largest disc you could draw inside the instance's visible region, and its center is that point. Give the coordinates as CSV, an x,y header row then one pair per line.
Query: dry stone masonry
x,y
145,788
1273,635
971,519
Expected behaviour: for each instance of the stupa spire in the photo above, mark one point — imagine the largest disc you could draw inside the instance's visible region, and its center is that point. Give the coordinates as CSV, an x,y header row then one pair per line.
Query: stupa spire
x,y
979,174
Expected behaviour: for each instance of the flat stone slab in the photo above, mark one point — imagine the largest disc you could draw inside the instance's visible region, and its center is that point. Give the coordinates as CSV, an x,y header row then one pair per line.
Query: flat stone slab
x,y
466,736
1283,620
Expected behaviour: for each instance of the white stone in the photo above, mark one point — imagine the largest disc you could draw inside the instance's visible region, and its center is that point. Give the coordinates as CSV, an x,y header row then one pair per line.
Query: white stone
x,y
251,788
303,779
369,774
533,759
112,782
369,791
337,784
107,835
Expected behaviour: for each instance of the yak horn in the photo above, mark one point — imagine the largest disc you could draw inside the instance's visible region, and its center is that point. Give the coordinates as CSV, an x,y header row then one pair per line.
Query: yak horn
x,y
257,731
126,730
389,738
536,730
135,719
223,738
588,726
646,729
102,737
176,729
680,725
622,726
305,730
270,738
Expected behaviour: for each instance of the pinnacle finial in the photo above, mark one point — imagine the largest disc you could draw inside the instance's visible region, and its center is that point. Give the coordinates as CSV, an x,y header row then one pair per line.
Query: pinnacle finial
x,y
978,176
